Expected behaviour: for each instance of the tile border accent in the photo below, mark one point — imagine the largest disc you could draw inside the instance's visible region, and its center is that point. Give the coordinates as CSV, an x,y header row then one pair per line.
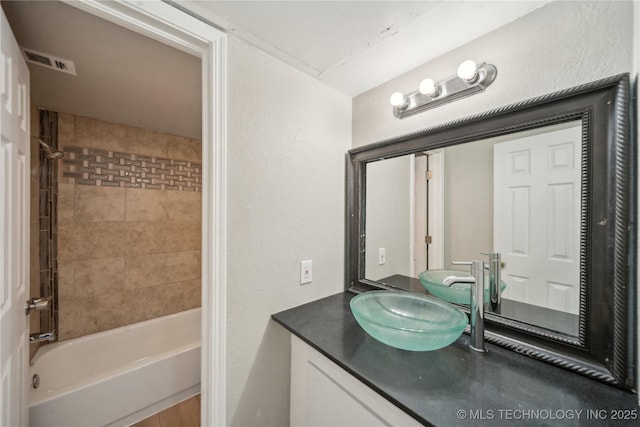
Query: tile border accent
x,y
90,166
48,219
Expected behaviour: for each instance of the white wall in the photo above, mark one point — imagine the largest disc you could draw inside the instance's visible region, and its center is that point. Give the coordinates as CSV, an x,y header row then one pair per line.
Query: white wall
x,y
287,135
558,46
388,222
468,202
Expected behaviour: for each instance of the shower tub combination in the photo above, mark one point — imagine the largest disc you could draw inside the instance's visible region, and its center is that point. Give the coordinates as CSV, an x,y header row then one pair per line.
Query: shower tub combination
x,y
117,377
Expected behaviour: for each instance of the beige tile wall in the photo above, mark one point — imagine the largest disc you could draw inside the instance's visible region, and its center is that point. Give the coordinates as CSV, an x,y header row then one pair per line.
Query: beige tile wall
x,y
125,254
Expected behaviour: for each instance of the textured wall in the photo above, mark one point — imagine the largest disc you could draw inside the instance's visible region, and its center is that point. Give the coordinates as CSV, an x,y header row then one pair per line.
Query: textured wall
x,y
287,135
126,253
558,46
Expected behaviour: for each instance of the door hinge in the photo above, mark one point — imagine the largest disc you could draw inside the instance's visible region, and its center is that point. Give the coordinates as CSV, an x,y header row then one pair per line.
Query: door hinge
x,y
427,240
428,175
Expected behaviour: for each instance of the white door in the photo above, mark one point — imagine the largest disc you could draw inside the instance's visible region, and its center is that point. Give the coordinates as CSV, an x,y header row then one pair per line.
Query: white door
x,y
429,211
14,231
537,217
435,207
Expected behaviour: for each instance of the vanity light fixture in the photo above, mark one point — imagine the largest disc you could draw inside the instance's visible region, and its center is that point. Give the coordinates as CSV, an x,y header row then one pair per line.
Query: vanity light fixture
x,y
469,80
429,87
468,71
398,101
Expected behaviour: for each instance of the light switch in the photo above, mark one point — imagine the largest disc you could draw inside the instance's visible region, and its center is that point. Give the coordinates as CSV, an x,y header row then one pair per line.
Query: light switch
x,y
306,270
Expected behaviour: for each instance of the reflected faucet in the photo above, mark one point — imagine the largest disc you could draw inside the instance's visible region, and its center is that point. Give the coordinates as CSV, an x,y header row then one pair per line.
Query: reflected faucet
x,y
476,306
495,272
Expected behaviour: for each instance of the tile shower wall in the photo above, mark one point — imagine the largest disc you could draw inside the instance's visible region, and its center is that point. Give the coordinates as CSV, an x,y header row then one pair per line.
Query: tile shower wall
x,y
129,221
34,230
43,271
47,213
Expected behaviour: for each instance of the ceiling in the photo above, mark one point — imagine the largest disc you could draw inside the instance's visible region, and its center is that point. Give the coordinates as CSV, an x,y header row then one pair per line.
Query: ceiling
x,y
352,46
122,76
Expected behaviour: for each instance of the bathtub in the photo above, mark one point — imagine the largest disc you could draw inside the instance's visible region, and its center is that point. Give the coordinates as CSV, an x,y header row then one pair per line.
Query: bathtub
x,y
117,377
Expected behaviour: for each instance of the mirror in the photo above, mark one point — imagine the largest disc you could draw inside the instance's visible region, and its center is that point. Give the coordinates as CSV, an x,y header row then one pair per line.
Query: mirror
x,y
516,194
547,183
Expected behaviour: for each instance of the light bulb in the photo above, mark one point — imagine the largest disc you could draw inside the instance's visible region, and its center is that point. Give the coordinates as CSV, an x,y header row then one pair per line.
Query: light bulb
x,y
468,71
429,87
398,100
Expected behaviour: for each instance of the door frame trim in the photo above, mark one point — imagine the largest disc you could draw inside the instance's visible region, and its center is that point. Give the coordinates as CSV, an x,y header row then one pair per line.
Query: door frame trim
x,y
167,24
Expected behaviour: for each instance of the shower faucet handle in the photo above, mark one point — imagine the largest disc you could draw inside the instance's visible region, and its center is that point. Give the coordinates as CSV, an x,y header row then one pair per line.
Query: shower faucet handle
x,y
37,303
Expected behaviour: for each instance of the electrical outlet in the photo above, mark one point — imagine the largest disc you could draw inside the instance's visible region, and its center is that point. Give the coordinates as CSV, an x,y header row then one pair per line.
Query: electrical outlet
x,y
382,256
306,270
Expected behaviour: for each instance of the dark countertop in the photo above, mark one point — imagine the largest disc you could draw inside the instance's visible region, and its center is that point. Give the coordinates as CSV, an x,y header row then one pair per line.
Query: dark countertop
x,y
454,386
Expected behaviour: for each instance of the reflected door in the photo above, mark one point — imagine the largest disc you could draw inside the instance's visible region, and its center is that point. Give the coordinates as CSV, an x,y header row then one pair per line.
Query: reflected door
x,y
537,218
421,219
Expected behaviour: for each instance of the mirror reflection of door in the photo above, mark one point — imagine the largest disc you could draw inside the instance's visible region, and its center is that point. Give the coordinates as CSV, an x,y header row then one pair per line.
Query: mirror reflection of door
x,y
537,217
421,217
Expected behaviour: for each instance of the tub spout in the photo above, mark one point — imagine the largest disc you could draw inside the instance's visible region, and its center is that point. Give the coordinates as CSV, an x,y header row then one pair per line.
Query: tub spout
x,y
42,337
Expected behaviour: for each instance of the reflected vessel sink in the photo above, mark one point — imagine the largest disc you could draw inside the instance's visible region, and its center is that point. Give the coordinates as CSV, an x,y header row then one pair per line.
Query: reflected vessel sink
x,y
457,293
408,321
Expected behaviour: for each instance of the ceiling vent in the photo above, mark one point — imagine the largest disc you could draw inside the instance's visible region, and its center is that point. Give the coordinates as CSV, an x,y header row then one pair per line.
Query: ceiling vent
x,y
49,61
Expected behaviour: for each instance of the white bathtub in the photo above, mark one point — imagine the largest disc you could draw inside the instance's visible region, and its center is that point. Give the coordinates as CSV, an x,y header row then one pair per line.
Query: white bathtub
x,y
117,377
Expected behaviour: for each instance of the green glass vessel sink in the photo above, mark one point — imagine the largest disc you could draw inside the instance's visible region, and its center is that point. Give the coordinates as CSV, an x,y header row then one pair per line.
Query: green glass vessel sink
x,y
457,293
407,320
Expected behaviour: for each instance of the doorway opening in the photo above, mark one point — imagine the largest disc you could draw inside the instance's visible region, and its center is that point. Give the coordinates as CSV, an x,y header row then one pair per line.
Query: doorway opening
x,y
194,38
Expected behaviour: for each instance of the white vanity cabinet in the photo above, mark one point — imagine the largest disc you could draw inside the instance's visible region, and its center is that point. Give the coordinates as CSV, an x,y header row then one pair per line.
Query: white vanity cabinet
x,y
325,395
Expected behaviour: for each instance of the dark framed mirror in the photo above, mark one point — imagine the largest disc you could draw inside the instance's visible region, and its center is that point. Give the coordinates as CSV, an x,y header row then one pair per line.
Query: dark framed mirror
x,y
550,184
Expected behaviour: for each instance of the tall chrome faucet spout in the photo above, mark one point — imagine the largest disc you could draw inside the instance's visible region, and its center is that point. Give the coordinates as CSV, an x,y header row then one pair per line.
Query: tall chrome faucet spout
x,y
495,273
476,306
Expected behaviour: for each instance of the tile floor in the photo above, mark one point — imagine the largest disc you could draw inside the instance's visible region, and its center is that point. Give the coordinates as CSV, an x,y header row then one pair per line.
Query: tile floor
x,y
184,414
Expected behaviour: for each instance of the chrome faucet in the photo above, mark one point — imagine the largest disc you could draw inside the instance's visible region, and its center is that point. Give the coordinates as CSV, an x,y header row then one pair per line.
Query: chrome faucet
x,y
476,306
42,337
495,272
450,280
